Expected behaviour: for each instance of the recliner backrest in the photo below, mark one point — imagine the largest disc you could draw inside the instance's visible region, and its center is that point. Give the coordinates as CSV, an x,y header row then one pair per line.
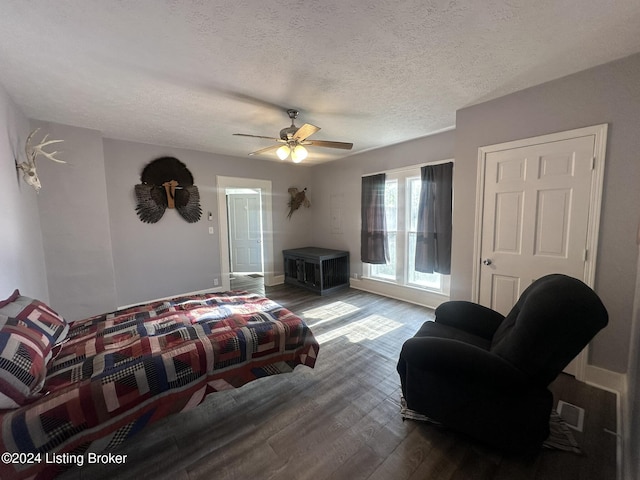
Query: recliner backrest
x,y
552,321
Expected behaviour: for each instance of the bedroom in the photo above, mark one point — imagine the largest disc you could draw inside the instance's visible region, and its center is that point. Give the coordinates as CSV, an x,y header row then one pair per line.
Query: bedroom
x,y
82,240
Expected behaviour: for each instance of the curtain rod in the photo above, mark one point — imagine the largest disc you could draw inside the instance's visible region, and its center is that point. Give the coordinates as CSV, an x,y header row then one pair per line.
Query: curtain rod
x,y
410,167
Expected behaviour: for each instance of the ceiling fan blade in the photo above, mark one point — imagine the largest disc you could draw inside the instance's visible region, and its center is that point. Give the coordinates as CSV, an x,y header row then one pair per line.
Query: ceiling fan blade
x,y
265,150
305,131
328,144
257,136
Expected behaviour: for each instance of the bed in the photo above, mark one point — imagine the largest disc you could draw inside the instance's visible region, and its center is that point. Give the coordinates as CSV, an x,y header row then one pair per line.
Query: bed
x,y
71,390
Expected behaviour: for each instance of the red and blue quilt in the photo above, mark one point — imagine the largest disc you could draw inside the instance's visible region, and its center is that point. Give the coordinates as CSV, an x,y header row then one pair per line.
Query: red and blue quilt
x,y
120,371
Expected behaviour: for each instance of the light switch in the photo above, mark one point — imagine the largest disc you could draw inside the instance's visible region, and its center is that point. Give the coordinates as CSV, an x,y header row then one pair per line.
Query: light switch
x,y
210,230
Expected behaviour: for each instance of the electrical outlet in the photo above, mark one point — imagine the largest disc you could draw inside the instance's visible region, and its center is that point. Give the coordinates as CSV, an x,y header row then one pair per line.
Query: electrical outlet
x,y
215,282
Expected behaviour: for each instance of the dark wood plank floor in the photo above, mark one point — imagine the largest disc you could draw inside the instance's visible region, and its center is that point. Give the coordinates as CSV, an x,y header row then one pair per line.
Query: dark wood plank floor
x,y
341,419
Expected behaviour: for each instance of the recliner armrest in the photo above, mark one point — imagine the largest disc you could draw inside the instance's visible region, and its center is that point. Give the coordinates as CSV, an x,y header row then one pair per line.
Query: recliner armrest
x,y
463,362
470,317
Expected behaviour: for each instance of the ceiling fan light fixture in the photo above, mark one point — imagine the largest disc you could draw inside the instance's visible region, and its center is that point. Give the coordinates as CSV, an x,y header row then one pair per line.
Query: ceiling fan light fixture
x,y
283,152
291,140
298,154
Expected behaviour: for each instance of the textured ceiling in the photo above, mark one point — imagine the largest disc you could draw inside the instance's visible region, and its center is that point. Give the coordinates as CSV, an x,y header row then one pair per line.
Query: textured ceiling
x,y
191,73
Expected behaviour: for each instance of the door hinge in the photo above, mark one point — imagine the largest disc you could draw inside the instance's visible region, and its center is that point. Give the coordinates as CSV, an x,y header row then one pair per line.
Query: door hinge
x,y
584,255
593,163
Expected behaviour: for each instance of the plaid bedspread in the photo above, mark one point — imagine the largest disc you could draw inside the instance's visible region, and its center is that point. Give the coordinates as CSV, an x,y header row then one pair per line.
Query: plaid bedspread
x,y
120,371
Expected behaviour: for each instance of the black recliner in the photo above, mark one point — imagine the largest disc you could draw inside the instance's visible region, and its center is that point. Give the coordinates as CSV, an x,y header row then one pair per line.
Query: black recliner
x,y
486,375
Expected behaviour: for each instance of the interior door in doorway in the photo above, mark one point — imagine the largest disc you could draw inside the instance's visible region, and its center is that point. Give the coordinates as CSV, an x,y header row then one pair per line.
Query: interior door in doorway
x,y
245,230
539,214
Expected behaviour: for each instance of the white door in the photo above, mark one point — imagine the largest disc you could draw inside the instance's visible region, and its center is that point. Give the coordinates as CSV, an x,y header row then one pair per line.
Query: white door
x,y
538,215
245,232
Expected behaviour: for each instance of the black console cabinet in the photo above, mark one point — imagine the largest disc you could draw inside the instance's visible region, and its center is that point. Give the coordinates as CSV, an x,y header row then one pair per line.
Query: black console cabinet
x,y
318,269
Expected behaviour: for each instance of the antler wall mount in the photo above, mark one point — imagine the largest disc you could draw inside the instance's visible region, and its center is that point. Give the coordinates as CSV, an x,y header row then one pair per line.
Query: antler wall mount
x,y
28,168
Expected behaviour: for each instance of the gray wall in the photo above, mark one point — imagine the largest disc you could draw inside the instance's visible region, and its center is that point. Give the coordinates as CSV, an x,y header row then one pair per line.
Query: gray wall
x,y
150,261
22,263
632,408
606,94
75,223
98,254
173,256
342,180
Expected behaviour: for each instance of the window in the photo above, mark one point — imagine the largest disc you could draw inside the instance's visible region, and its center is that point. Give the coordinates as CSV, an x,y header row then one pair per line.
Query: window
x,y
402,195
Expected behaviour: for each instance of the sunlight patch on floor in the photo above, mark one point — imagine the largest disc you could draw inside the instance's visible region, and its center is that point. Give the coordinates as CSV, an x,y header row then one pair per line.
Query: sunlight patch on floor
x,y
368,328
317,316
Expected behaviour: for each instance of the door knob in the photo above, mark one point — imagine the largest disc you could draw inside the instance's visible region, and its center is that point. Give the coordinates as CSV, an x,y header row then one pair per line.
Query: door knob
x,y
487,261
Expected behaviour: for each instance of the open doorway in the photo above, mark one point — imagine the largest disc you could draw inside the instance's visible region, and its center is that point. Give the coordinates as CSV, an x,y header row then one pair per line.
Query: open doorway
x,y
246,233
244,217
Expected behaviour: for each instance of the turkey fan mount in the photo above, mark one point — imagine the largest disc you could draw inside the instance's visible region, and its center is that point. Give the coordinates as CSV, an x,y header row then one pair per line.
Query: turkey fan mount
x,y
167,183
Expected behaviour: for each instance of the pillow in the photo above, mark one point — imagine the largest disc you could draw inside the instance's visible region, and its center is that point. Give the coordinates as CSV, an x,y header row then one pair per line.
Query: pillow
x,y
29,329
36,315
24,353
14,296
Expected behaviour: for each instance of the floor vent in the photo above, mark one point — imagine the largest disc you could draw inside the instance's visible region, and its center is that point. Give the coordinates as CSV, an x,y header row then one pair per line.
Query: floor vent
x,y
572,415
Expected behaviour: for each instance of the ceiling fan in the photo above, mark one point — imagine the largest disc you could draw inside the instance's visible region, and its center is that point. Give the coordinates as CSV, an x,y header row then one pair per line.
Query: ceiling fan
x,y
294,140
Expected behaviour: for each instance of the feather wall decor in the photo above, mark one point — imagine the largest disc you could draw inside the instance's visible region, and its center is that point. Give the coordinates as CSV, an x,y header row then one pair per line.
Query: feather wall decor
x,y
167,183
298,199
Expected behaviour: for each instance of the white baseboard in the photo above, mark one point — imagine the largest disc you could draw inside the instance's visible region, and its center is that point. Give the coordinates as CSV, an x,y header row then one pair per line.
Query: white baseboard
x,y
616,383
274,280
197,292
625,469
605,379
406,294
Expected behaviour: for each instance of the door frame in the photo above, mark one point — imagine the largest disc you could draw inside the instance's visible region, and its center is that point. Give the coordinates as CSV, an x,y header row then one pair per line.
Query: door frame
x,y
222,183
595,203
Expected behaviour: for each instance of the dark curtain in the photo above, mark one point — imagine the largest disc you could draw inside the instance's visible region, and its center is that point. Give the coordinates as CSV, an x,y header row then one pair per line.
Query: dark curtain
x,y
433,242
373,238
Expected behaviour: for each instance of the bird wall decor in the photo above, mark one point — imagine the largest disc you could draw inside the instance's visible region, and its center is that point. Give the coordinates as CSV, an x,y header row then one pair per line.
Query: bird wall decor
x,y
167,183
298,199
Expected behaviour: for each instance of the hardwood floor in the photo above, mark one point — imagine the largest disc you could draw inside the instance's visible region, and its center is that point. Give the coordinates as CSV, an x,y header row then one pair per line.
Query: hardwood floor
x,y
341,419
252,283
